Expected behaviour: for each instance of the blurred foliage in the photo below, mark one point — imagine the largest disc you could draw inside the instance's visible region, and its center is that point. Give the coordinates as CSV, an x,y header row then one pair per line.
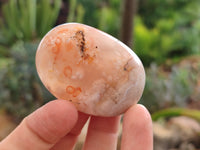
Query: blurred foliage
x,y
146,40
104,15
24,21
77,12
171,112
108,19
21,90
27,19
153,10
167,29
174,88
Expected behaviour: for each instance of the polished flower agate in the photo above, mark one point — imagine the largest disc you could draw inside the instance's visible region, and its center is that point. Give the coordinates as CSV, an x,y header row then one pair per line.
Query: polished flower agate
x,y
99,74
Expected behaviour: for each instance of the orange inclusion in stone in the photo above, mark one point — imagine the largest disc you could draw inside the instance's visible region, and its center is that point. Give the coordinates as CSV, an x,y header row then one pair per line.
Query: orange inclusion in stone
x,y
90,60
74,91
56,47
77,92
67,71
69,45
70,89
62,31
78,28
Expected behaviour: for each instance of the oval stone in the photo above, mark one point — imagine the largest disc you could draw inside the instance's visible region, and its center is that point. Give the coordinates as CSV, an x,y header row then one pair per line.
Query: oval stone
x,y
99,74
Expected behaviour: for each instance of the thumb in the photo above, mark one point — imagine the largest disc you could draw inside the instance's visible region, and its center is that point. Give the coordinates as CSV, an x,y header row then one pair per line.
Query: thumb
x,y
43,128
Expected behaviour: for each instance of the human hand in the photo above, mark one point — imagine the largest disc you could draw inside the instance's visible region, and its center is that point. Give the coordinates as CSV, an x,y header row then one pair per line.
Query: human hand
x,y
56,126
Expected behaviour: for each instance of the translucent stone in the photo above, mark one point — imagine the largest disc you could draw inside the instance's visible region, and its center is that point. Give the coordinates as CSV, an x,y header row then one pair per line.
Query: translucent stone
x,y
93,70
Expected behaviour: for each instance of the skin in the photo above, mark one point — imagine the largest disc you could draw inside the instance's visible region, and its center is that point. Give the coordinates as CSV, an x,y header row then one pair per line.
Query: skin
x,y
56,126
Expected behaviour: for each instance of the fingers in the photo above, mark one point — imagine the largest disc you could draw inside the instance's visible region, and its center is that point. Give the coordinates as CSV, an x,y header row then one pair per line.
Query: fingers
x,y
137,129
43,128
70,139
102,133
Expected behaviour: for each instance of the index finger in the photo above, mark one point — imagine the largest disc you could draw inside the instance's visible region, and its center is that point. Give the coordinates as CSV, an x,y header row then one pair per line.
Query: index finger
x,y
43,128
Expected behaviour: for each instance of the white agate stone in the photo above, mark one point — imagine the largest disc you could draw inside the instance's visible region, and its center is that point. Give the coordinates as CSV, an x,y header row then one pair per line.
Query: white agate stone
x,y
93,70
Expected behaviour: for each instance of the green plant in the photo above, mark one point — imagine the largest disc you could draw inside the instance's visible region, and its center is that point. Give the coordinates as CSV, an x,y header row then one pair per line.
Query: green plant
x,y
145,42
100,14
21,91
4,92
165,89
171,112
167,29
28,19
152,11
109,20
77,12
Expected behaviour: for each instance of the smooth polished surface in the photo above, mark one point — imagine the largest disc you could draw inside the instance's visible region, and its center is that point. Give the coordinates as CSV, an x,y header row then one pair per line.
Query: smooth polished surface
x,y
93,70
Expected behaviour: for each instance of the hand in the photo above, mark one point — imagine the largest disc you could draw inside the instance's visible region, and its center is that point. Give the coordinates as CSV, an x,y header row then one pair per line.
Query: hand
x,y
56,126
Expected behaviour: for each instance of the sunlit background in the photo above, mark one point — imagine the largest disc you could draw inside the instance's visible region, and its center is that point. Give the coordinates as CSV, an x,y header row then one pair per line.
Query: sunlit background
x,y
165,34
